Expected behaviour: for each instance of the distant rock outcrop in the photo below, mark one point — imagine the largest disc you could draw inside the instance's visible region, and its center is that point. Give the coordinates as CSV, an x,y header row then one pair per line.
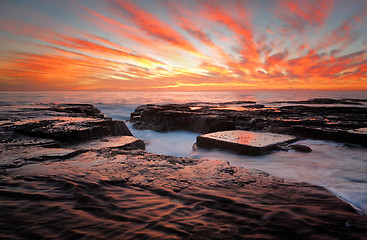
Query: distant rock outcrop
x,y
336,122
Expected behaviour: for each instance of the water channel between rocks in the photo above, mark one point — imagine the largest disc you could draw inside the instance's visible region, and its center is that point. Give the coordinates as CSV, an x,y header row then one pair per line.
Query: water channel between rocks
x,y
339,167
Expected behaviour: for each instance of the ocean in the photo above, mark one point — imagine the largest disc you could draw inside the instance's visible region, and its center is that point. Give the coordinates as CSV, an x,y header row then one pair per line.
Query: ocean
x,y
339,167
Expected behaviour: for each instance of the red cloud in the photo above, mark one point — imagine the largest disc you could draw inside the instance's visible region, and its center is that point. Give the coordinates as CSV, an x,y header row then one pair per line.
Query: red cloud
x,y
152,25
344,34
250,56
299,15
152,53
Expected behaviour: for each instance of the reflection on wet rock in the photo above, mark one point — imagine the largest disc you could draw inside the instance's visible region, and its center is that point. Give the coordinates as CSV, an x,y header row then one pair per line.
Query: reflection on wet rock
x,y
245,142
132,194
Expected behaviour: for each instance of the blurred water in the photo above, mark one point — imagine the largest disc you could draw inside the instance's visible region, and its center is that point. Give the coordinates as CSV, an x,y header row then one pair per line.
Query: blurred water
x,y
175,143
340,168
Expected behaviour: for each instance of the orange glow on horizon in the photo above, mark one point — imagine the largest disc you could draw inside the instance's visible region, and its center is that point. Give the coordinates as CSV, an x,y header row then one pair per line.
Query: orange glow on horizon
x,y
185,46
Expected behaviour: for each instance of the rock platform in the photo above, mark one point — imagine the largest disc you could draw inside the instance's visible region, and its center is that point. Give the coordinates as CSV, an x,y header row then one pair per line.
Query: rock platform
x,y
58,182
33,133
244,142
328,119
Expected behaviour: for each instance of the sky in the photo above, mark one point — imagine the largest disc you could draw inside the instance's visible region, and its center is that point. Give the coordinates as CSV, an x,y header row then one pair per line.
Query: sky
x,y
202,45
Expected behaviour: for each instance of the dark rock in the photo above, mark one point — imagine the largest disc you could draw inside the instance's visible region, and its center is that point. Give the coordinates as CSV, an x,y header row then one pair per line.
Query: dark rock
x,y
335,134
318,122
239,102
86,110
328,101
12,139
74,131
173,117
254,106
17,156
300,148
64,122
221,126
54,132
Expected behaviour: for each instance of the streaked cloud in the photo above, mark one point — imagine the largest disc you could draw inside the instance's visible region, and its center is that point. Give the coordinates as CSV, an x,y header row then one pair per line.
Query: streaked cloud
x,y
183,45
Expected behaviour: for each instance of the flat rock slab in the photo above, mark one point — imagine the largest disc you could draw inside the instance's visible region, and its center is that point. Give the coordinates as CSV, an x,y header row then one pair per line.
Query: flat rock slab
x,y
17,156
11,139
122,142
245,142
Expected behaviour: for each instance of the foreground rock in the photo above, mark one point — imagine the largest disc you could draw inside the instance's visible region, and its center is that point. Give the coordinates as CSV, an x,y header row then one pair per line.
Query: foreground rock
x,y
244,142
132,194
329,119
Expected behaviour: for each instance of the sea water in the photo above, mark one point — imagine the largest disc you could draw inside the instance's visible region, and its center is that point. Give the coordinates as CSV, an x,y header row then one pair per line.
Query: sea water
x,y
339,167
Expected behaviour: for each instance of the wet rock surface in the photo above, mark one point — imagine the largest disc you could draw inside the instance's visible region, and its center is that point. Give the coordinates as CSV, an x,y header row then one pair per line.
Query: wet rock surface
x,y
300,148
124,142
64,122
34,133
328,119
107,187
133,194
328,101
244,142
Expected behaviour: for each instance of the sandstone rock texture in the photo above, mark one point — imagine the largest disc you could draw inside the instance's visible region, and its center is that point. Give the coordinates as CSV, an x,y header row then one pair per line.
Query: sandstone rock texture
x,y
57,131
329,119
58,182
64,122
140,195
244,142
